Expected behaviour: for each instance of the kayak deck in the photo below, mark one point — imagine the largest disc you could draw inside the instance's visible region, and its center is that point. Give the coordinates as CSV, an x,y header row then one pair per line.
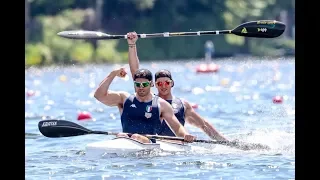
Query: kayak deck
x,y
123,145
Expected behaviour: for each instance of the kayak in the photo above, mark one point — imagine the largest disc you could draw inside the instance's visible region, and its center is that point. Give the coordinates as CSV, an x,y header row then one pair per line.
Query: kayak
x,y
124,145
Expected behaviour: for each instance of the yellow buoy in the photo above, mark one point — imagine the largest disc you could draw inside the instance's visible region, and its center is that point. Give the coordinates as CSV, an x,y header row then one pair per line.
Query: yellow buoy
x,y
63,78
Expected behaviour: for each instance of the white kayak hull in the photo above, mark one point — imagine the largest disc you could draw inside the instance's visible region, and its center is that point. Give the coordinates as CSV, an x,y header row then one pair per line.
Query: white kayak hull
x,y
122,145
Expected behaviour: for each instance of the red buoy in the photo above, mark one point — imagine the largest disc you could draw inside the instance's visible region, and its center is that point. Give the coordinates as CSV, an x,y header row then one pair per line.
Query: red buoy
x,y
207,68
277,99
84,115
30,93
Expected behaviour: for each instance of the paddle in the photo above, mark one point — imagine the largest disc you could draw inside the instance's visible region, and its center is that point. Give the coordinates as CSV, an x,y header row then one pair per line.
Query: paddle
x,y
62,128
258,29
31,136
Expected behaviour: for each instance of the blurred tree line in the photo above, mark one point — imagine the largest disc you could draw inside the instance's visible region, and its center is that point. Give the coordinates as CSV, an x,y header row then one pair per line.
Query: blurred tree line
x,y
44,19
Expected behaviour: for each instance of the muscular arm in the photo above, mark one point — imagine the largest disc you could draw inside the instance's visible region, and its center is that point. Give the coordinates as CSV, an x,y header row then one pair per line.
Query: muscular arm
x,y
196,120
108,97
171,119
133,59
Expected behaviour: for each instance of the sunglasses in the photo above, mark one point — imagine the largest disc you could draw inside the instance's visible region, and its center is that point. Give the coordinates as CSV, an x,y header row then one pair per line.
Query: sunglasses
x,y
161,83
142,84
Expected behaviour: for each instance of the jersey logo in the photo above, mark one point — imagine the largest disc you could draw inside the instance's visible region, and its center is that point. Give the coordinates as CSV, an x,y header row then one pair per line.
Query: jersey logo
x,y
147,115
174,105
148,108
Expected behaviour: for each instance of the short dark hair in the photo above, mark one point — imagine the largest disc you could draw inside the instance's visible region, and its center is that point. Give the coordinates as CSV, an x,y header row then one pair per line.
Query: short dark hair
x,y
162,73
143,73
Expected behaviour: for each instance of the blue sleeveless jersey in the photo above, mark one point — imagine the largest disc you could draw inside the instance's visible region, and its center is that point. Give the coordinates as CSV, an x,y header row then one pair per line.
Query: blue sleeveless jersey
x,y
140,117
178,109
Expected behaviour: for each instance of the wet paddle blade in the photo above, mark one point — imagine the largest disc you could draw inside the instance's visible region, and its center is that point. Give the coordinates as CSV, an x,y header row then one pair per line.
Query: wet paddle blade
x,y
260,29
83,34
61,128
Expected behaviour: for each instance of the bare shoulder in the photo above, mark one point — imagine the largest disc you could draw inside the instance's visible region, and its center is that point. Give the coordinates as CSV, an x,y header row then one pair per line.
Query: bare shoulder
x,y
124,94
112,98
163,103
185,103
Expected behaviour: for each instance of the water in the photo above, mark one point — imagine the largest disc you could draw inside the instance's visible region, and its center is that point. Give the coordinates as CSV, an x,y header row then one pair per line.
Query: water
x,y
237,101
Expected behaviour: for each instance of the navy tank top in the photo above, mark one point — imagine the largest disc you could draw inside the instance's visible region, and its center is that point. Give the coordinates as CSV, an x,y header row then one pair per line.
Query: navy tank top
x,y
140,117
178,109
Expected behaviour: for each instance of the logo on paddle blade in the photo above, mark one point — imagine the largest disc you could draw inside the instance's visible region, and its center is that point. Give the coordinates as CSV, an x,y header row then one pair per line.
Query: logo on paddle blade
x,y
272,23
51,123
262,29
267,22
244,31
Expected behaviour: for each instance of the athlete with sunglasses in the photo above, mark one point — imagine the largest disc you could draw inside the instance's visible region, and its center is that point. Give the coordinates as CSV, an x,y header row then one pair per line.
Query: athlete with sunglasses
x,y
182,108
142,112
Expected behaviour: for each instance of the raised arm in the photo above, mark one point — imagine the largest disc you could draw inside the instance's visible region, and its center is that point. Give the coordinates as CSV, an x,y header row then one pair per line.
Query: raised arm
x,y
108,97
196,120
132,52
173,122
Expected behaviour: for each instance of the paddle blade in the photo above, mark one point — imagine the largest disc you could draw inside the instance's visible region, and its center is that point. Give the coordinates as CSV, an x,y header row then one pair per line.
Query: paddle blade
x,y
81,34
260,29
61,128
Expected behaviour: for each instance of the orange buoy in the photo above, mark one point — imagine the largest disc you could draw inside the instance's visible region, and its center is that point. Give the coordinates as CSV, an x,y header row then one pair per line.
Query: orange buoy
x,y
84,115
225,82
277,99
207,68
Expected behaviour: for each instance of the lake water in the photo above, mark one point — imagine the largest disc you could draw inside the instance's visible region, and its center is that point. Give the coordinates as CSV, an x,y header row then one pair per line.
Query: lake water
x,y
237,101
